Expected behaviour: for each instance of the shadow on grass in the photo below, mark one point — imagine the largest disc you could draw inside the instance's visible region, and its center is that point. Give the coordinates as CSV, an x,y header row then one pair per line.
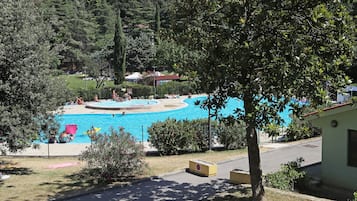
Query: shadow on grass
x,y
8,168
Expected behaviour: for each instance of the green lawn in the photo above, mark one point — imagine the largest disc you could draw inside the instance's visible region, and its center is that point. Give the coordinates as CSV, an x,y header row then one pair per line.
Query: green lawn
x,y
75,81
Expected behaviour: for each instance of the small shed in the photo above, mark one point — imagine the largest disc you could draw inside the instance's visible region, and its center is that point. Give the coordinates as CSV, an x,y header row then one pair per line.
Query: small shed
x,y
339,144
165,78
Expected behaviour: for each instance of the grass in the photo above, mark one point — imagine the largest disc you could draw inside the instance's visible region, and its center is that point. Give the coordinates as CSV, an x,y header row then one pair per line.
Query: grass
x,y
76,81
32,179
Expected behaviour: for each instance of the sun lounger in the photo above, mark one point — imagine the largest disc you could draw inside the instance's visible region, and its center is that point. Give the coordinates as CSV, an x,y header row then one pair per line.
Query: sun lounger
x,y
3,177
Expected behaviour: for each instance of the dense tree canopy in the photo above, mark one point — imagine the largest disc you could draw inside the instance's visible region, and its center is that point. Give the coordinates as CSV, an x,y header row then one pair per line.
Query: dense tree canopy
x,y
264,53
28,92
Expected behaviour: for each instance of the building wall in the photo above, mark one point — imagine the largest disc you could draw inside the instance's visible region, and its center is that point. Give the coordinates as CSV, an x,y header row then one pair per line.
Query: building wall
x,y
334,169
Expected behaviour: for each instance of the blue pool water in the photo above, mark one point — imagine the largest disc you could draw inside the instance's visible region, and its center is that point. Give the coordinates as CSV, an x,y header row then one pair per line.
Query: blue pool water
x,y
137,124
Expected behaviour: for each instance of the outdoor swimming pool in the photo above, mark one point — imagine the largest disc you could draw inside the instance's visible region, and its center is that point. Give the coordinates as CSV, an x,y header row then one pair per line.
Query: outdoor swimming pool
x,y
137,124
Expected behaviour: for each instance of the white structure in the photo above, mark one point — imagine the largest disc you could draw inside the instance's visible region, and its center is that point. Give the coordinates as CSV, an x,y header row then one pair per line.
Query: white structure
x,y
346,94
134,77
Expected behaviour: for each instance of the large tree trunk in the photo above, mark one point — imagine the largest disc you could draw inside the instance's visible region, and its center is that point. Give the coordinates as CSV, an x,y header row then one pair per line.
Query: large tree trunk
x,y
253,151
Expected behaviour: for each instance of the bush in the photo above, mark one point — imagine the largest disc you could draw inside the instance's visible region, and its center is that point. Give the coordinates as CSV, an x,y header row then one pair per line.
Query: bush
x,y
287,176
114,157
232,135
355,196
299,129
199,127
172,136
174,87
168,136
273,130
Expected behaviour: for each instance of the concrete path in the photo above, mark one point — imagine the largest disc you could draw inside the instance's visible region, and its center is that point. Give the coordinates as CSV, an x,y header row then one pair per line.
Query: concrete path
x,y
186,186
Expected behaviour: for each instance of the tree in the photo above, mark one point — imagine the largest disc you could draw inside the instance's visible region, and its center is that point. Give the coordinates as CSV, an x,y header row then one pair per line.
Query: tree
x,y
265,52
137,15
140,52
100,67
104,18
75,28
157,24
28,91
119,53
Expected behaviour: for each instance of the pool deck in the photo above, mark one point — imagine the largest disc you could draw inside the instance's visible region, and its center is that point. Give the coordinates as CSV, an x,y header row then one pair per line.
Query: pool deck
x,y
76,149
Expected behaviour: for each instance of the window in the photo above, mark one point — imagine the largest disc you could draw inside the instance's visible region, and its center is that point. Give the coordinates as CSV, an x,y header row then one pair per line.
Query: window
x,y
352,148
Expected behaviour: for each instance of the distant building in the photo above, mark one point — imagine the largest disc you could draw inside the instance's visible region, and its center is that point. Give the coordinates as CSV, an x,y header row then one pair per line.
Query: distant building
x,y
347,94
339,144
165,78
135,77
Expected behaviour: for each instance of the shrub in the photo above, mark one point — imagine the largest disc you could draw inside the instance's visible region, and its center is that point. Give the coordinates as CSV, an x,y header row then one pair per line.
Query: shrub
x,y
174,87
232,135
287,176
114,157
299,129
199,127
355,196
273,130
142,91
172,136
168,136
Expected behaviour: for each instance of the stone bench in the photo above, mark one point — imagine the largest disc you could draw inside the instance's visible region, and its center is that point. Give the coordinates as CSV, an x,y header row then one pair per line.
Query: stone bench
x,y
237,176
203,168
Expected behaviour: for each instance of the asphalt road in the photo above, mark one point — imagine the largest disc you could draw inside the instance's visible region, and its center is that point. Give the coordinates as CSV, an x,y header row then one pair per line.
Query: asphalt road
x,y
186,186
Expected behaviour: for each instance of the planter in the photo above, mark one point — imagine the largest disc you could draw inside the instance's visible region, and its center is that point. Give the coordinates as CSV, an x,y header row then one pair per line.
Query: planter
x,y
203,168
239,177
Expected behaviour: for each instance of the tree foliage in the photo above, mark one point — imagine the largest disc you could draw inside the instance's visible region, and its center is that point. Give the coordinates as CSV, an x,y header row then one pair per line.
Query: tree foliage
x,y
28,92
119,54
140,52
75,29
288,175
265,52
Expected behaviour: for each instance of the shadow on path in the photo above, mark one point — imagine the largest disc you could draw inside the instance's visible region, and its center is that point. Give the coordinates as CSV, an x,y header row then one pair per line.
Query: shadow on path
x,y
160,189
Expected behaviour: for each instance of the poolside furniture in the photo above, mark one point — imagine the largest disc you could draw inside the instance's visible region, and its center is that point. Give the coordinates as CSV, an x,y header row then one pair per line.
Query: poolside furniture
x,y
237,176
3,177
71,129
203,168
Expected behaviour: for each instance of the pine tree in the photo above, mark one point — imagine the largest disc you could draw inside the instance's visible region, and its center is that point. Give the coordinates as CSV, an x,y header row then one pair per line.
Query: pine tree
x,y
75,29
104,18
140,52
119,54
157,24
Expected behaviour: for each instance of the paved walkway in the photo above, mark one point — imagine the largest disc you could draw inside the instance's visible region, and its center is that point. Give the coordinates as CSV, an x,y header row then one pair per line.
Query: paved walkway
x,y
185,186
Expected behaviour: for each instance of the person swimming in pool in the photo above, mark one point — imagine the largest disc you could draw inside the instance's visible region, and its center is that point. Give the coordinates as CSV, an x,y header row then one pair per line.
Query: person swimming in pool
x,y
65,137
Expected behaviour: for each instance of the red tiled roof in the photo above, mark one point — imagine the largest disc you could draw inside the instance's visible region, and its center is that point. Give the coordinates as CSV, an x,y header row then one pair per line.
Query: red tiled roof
x,y
167,77
328,108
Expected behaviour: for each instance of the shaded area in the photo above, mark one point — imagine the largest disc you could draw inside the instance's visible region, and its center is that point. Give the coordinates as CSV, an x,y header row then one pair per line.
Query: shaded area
x,y
159,189
315,187
9,168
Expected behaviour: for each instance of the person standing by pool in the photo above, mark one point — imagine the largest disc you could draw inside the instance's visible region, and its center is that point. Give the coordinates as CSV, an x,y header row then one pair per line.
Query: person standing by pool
x,y
79,101
96,98
114,95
